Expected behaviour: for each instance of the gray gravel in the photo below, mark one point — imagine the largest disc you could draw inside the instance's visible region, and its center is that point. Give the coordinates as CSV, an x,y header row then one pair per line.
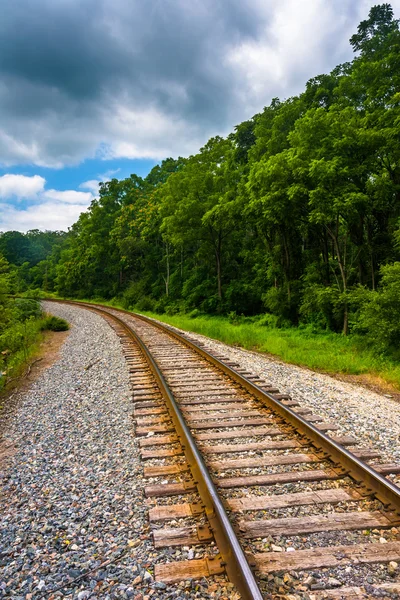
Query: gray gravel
x,y
72,495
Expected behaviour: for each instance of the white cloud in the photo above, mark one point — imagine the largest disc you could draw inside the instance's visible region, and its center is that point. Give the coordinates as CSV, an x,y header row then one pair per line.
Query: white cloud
x,y
148,133
21,186
47,215
42,209
68,196
92,185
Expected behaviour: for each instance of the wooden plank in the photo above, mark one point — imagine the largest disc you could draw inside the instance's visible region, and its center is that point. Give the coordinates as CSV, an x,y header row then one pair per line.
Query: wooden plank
x,y
193,410
169,489
231,448
143,412
243,433
355,593
223,412
154,428
274,478
326,426
264,461
387,469
158,440
365,453
149,404
200,393
145,394
174,572
313,418
193,388
332,496
181,536
228,399
330,556
161,452
156,396
345,440
302,411
150,419
199,377
173,511
148,388
160,471
343,521
229,423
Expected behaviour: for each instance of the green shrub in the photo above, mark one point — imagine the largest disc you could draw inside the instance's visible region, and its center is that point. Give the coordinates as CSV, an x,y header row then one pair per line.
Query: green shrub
x,y
26,308
52,323
379,315
268,320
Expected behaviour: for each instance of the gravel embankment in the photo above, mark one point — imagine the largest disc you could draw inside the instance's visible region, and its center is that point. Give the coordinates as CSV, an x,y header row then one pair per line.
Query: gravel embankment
x,y
71,497
371,418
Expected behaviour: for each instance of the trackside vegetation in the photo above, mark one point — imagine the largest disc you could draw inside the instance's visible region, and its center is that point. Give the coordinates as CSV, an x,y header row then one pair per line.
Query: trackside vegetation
x,y
284,236
21,323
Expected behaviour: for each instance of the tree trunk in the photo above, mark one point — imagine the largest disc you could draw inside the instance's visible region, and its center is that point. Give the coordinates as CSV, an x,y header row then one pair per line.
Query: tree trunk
x,y
166,279
218,259
342,269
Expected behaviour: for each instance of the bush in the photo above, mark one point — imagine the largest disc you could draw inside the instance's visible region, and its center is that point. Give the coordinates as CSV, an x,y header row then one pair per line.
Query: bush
x,y
268,320
27,309
379,316
52,323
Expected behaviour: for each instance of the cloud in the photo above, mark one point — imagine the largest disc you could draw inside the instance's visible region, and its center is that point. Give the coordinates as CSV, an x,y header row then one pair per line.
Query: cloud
x,y
52,216
68,196
41,208
87,78
92,185
20,186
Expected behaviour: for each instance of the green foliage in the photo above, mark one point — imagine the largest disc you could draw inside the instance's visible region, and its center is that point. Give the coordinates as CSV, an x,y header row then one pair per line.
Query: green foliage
x,y
53,323
27,309
379,316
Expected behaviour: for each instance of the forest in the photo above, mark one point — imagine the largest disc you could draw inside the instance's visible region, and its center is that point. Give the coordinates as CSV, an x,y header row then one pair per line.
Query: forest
x,y
293,218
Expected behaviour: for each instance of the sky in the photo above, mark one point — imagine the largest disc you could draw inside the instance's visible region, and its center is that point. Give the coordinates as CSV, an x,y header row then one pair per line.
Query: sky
x,y
95,89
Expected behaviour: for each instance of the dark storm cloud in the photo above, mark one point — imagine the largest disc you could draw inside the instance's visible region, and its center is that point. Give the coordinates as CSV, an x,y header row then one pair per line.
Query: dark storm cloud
x,y
82,48
155,77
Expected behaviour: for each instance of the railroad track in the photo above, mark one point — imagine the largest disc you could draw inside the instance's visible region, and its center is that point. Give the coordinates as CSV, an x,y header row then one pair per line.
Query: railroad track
x,y
260,486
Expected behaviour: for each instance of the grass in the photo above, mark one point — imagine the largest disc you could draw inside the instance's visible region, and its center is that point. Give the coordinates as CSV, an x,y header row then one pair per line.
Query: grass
x,y
16,362
20,344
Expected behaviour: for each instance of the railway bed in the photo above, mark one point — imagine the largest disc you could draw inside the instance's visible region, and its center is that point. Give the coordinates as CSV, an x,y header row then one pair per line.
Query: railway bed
x,y
256,485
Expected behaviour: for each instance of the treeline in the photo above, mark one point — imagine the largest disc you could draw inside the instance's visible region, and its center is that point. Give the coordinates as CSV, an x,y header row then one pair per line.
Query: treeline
x,y
295,214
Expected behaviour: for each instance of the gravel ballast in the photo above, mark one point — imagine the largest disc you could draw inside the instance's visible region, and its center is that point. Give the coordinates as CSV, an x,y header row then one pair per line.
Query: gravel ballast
x,y
74,519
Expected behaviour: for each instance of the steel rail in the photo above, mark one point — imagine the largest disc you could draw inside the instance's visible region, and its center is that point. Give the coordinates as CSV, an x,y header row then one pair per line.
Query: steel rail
x,y
233,557
362,473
